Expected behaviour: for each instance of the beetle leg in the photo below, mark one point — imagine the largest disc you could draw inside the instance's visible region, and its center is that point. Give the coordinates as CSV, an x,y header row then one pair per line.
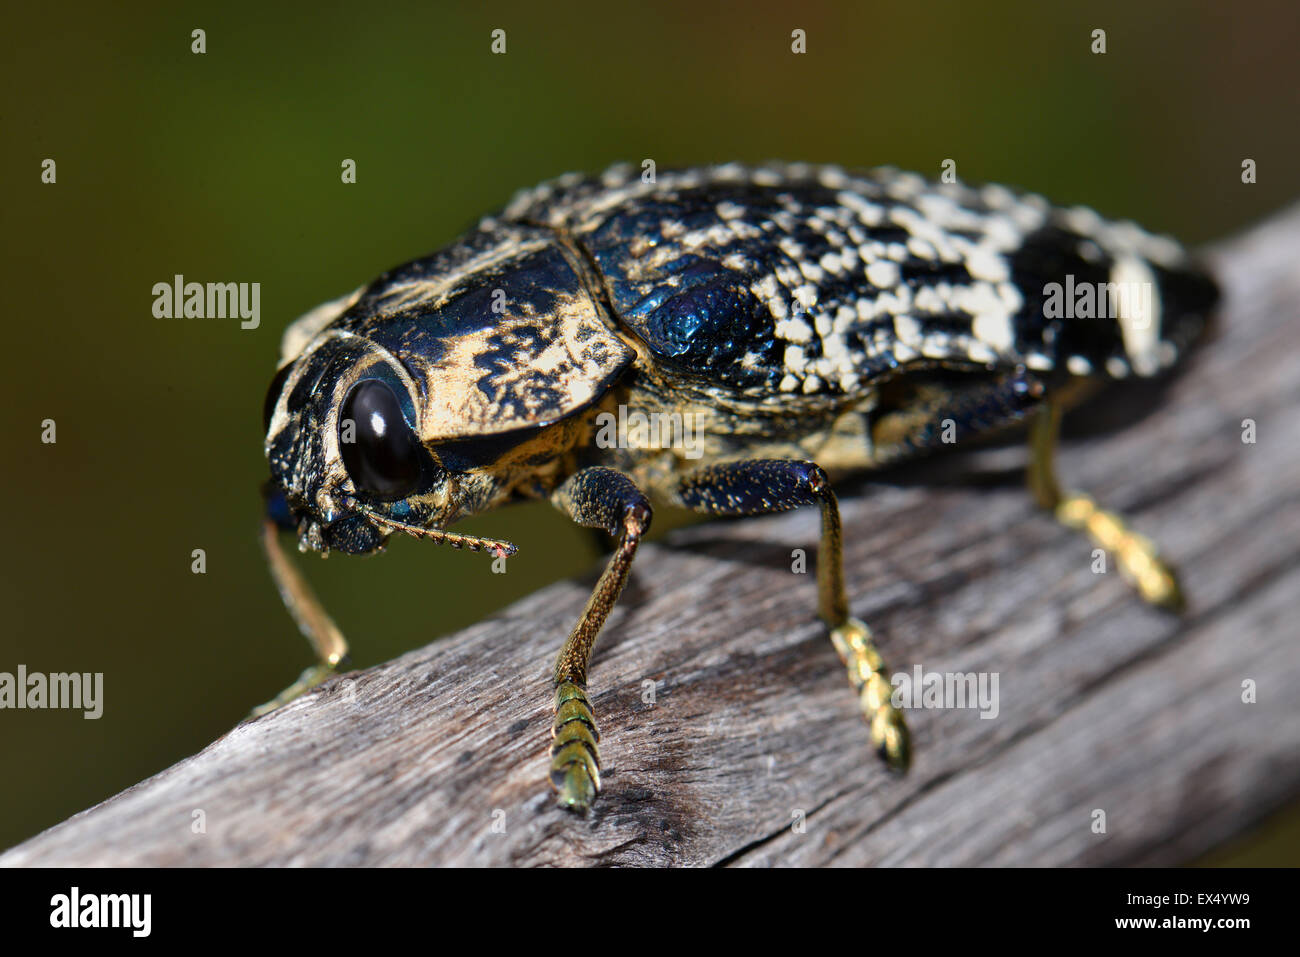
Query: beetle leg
x,y
1136,554
607,499
762,486
937,416
313,621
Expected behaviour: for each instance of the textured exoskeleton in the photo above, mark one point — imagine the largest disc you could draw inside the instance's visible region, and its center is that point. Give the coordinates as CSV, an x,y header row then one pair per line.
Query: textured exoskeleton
x,y
725,338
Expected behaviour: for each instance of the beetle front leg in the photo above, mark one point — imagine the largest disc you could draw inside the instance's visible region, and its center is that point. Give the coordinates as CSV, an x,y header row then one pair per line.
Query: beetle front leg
x,y
607,499
1136,554
311,617
762,486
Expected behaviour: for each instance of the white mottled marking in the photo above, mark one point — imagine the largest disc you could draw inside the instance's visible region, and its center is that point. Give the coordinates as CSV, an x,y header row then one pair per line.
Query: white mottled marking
x,y
994,329
883,274
794,329
1141,332
907,329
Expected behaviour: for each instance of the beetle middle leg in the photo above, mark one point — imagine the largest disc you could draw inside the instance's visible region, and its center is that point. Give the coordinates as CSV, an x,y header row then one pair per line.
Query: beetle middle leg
x,y
607,499
763,486
1136,554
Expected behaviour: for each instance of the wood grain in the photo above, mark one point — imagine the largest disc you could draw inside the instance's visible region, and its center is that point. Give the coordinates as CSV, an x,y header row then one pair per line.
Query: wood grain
x,y
440,756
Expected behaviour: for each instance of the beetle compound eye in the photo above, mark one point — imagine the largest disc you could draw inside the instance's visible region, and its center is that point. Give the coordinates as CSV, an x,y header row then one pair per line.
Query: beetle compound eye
x,y
379,449
273,396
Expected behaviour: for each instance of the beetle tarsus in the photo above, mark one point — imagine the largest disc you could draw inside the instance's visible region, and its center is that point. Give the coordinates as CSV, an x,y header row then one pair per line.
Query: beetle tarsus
x,y
575,752
866,669
310,678
1136,555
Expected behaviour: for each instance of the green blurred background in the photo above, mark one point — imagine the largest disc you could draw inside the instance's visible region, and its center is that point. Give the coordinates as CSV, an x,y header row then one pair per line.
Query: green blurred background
x,y
226,167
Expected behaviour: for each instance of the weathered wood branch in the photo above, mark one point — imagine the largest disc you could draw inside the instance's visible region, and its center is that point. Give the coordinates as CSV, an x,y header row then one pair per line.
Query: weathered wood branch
x,y
1104,703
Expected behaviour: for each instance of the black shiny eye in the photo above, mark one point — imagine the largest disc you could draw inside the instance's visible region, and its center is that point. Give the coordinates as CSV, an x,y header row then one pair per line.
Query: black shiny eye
x,y
379,449
273,396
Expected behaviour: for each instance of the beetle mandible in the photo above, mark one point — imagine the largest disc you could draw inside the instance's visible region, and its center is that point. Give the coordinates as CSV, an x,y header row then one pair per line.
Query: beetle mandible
x,y
806,322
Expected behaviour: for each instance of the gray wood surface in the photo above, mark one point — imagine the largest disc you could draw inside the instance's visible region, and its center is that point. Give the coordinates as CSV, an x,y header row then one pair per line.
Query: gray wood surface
x,y
440,756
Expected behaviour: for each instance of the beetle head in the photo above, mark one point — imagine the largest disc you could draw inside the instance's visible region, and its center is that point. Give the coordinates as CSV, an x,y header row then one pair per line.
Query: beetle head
x,y
347,465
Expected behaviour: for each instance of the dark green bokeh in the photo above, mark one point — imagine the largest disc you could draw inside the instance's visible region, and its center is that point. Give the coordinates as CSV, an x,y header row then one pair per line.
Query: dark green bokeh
x,y
226,167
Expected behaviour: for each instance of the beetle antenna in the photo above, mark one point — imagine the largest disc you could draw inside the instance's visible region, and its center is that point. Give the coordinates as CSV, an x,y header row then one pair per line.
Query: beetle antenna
x,y
472,542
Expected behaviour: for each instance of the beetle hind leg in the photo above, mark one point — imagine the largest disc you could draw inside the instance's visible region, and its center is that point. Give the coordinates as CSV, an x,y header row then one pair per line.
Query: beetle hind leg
x,y
763,486
1137,556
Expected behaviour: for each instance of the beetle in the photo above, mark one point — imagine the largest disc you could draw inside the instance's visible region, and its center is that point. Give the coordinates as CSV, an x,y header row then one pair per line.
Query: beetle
x,y
805,322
